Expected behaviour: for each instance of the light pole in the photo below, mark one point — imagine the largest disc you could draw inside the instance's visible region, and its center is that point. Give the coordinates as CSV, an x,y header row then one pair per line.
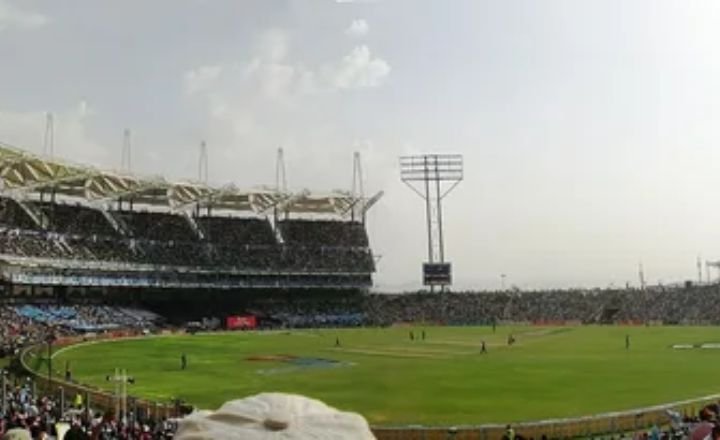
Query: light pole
x,y
432,177
120,378
50,338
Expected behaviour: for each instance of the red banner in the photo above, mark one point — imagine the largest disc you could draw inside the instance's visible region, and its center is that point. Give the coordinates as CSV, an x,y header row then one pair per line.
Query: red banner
x,y
241,322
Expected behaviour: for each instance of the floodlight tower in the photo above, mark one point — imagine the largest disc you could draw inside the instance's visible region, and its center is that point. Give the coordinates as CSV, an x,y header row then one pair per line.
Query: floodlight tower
x,y
433,177
713,265
203,164
125,163
49,139
280,171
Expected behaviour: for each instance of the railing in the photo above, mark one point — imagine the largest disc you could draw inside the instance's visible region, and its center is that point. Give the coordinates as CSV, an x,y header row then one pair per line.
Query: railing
x,y
612,423
64,392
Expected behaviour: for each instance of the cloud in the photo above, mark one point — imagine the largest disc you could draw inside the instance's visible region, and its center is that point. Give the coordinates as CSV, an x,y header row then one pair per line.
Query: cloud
x,y
12,17
276,77
270,98
280,80
202,78
273,45
357,29
358,69
268,70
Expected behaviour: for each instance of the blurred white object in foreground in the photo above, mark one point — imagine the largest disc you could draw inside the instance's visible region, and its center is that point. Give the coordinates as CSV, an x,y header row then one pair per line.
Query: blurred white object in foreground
x,y
274,416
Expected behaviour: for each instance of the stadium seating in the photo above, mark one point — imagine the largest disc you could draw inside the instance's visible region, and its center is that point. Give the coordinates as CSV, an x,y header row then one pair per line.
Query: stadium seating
x,y
12,215
237,231
161,239
323,233
75,219
158,226
87,317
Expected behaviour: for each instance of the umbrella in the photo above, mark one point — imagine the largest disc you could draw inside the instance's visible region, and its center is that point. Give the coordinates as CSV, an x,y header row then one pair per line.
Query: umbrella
x,y
274,416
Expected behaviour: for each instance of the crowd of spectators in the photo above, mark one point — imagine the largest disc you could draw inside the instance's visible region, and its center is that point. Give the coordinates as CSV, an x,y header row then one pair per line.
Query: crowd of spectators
x,y
262,258
74,219
236,231
157,226
704,425
343,311
680,305
12,214
16,331
22,325
669,305
80,233
88,317
327,232
29,413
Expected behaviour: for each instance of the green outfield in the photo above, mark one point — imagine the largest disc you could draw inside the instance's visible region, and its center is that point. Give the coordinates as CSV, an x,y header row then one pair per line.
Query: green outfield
x,y
381,373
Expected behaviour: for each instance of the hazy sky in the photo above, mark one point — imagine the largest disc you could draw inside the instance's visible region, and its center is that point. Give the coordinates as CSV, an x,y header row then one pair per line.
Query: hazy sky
x,y
590,129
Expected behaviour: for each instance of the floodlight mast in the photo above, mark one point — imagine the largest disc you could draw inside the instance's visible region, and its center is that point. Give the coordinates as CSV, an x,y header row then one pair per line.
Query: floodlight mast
x,y
444,172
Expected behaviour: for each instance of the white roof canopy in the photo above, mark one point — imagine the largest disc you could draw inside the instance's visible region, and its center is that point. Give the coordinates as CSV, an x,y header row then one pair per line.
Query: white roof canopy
x,y
23,173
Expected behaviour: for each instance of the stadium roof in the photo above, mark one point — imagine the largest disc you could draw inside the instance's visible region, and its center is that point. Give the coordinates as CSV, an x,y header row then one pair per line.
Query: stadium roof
x,y
23,173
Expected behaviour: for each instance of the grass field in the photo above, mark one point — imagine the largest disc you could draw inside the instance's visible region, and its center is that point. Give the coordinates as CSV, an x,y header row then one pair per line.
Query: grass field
x,y
549,372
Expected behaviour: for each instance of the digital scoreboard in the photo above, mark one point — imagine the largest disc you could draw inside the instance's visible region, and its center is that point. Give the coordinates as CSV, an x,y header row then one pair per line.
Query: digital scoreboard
x,y
437,274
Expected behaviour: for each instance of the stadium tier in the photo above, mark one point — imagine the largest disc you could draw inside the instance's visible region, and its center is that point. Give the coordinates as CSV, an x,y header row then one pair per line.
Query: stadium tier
x,y
65,225
333,233
237,231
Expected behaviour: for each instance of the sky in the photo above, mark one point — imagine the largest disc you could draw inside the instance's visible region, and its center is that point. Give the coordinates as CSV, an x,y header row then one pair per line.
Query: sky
x,y
589,129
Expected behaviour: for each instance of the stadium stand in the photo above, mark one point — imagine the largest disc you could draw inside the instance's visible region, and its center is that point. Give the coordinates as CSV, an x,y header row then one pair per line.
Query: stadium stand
x,y
236,231
695,305
324,233
13,215
158,226
668,305
30,323
181,248
67,226
74,219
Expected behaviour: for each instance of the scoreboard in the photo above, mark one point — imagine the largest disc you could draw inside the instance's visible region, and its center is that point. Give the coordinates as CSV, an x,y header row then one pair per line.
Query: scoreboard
x,y
437,274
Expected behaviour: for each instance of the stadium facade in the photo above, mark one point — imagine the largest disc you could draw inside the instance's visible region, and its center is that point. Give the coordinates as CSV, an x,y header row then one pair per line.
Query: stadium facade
x,y
68,228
